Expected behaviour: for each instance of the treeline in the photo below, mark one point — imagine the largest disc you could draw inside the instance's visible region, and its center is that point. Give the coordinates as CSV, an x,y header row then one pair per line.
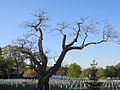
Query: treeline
x,y
74,70
13,64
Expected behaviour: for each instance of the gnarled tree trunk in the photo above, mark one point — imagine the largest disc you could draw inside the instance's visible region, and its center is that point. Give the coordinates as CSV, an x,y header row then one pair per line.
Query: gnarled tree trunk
x,y
43,84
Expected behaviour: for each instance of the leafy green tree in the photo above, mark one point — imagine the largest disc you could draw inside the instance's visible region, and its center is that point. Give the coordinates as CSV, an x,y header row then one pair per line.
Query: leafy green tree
x,y
100,72
0,51
85,73
13,58
110,71
74,70
3,66
118,70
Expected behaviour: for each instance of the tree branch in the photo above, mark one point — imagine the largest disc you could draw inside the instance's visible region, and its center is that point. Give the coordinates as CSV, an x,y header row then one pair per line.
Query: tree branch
x,y
63,43
32,57
42,55
56,66
76,37
86,35
95,42
85,45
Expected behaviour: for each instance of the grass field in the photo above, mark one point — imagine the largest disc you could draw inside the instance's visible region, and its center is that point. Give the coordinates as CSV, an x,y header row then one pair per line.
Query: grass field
x,y
32,87
7,87
29,87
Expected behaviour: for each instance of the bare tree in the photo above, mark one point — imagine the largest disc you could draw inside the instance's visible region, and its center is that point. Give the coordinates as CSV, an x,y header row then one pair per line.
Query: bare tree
x,y
84,29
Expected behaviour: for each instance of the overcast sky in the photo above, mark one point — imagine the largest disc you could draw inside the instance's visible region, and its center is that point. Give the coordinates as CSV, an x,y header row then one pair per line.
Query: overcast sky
x,y
14,12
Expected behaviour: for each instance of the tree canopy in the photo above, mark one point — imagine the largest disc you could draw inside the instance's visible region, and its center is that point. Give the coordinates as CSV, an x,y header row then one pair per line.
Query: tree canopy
x,y
74,70
110,71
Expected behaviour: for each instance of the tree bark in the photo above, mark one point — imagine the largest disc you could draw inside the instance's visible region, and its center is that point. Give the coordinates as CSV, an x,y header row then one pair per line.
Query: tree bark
x,y
43,84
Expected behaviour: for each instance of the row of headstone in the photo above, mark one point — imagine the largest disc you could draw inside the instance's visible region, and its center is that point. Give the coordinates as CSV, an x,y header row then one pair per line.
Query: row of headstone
x,y
111,85
80,84
61,83
71,84
17,82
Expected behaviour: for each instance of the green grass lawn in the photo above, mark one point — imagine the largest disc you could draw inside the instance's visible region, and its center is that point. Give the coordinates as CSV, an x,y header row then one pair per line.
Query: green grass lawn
x,y
28,87
32,87
7,87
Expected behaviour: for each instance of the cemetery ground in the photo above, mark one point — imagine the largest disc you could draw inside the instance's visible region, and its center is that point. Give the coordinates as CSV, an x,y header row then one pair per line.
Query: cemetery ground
x,y
56,84
30,87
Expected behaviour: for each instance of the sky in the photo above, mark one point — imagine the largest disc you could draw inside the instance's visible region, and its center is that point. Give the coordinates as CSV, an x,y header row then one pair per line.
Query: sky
x,y
14,12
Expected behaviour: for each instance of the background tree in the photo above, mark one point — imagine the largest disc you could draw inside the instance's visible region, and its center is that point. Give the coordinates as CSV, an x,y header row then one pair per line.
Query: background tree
x,y
0,51
100,72
3,68
84,28
85,73
110,72
118,70
62,71
13,58
74,70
